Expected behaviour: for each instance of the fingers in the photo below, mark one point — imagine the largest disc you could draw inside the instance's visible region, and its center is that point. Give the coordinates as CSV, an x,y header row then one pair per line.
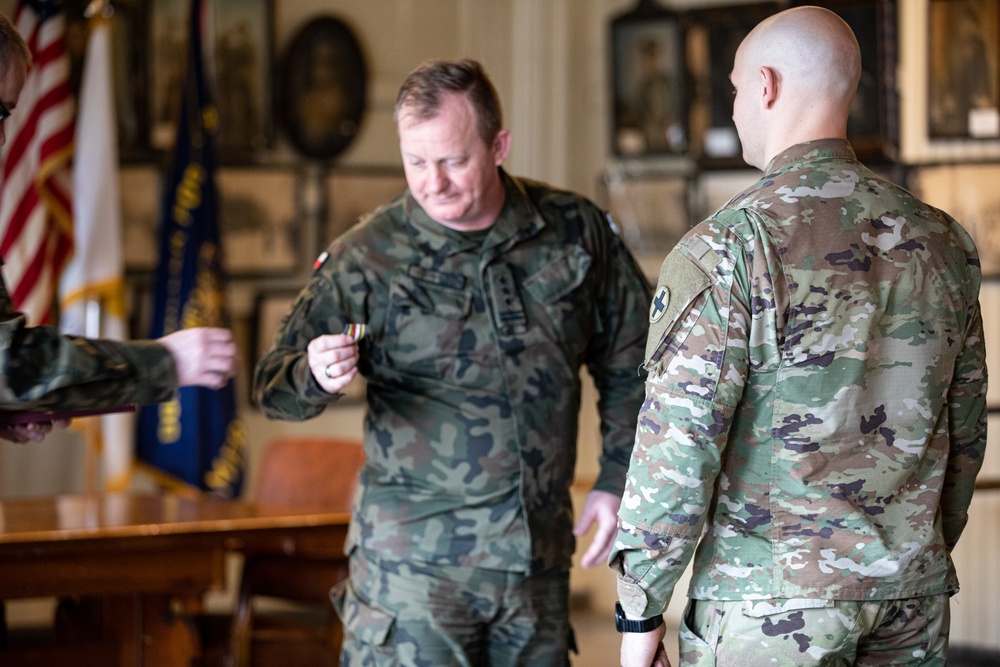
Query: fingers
x,y
204,356
24,433
333,360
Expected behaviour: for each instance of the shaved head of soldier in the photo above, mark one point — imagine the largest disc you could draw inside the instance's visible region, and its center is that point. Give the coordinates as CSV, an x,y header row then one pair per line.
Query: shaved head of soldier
x,y
795,76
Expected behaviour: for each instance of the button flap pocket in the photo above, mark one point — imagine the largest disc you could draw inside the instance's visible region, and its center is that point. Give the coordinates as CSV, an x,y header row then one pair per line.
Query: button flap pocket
x,y
560,276
762,608
442,296
370,625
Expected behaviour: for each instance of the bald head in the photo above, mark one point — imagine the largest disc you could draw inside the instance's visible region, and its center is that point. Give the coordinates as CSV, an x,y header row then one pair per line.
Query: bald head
x,y
809,62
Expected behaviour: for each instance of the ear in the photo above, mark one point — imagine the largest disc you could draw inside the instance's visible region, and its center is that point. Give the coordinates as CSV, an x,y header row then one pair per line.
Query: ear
x,y
501,147
769,87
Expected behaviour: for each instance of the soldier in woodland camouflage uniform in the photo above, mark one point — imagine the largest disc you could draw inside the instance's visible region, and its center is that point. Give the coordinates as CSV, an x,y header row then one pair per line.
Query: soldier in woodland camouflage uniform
x,y
41,369
815,404
483,295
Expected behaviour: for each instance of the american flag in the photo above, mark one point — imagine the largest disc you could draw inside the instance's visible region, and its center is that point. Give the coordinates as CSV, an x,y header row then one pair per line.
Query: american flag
x,y
36,226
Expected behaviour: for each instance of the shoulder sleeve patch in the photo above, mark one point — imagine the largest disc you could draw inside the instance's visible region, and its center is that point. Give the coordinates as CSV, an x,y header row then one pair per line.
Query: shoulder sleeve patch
x,y
680,282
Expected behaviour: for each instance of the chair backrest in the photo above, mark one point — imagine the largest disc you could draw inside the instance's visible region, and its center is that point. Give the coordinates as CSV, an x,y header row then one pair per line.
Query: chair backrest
x,y
309,472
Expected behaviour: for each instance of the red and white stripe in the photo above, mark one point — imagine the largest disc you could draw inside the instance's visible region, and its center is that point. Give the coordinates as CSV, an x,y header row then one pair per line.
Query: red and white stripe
x,y
36,226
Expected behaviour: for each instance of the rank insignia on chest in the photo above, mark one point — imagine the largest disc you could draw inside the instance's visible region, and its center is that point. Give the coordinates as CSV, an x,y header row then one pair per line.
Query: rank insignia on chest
x,y
659,305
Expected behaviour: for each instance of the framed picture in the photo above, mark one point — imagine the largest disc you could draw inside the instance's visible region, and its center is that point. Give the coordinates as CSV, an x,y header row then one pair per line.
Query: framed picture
x,y
244,44
324,88
271,307
354,193
260,230
141,198
647,82
969,193
712,37
963,84
872,126
129,27
240,64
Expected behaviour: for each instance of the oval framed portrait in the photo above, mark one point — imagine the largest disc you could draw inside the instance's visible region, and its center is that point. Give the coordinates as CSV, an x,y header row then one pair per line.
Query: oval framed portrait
x,y
323,88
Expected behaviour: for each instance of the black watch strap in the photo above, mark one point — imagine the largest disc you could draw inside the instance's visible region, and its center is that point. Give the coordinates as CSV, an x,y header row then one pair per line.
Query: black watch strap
x,y
624,624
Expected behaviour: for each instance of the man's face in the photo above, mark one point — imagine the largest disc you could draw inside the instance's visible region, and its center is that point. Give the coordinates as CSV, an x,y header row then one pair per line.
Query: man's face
x,y
746,102
450,170
11,83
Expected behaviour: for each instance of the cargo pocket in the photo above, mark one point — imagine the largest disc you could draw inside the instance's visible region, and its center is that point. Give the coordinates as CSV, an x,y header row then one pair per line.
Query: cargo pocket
x,y
368,635
698,633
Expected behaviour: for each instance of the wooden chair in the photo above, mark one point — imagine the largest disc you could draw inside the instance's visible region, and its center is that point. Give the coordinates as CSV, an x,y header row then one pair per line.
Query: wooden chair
x,y
300,472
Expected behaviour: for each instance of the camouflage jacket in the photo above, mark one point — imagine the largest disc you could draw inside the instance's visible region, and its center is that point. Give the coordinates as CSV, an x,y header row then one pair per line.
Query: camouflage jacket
x,y
472,361
816,396
43,369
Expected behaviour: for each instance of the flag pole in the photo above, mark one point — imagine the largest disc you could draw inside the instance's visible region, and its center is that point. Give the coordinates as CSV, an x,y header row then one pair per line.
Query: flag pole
x,y
92,427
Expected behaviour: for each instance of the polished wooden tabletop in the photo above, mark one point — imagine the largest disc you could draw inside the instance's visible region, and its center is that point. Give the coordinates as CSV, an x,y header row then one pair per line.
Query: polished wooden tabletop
x,y
143,557
97,516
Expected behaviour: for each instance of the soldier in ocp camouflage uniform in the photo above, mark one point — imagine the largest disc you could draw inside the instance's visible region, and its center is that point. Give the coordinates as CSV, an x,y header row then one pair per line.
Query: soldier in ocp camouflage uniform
x,y
40,369
815,405
482,296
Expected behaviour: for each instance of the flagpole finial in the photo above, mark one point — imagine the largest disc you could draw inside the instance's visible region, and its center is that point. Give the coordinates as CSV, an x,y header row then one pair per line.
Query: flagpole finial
x,y
99,7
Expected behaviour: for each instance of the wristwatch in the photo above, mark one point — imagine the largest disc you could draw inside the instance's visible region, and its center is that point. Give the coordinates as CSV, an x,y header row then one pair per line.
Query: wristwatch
x,y
623,624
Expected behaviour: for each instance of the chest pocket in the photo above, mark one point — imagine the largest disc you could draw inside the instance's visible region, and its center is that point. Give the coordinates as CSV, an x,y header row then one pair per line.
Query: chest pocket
x,y
560,276
426,317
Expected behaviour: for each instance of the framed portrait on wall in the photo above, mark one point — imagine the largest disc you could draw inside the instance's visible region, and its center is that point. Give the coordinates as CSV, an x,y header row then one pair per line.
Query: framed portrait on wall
x,y
711,39
963,83
240,66
244,47
353,193
324,88
261,234
647,82
129,27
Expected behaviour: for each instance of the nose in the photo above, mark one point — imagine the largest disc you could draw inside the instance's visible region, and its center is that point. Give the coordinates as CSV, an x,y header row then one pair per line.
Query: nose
x,y
437,180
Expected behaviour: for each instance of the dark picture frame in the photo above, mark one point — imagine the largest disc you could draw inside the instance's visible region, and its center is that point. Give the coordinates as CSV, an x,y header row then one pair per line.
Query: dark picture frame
x,y
262,234
872,126
648,82
241,68
963,69
711,39
244,73
129,30
324,88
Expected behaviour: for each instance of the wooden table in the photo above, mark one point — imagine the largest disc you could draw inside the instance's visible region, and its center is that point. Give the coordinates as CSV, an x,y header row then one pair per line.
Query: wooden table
x,y
147,559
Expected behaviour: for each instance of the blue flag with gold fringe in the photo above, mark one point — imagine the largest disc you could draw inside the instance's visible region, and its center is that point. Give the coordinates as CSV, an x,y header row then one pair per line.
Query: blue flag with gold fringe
x,y
195,440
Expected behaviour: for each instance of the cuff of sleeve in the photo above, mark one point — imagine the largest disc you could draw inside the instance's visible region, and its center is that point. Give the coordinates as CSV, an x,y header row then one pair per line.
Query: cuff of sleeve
x,y
155,370
314,394
635,601
611,478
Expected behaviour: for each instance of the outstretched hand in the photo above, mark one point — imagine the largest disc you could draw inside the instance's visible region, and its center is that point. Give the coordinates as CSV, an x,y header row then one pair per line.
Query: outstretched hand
x,y
204,356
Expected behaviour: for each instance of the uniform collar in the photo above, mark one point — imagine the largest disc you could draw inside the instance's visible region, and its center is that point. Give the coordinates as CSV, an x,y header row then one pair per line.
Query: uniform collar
x,y
518,219
808,151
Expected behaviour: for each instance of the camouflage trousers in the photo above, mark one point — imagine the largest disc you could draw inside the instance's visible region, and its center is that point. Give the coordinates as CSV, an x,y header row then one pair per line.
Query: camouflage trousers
x,y
413,614
826,633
